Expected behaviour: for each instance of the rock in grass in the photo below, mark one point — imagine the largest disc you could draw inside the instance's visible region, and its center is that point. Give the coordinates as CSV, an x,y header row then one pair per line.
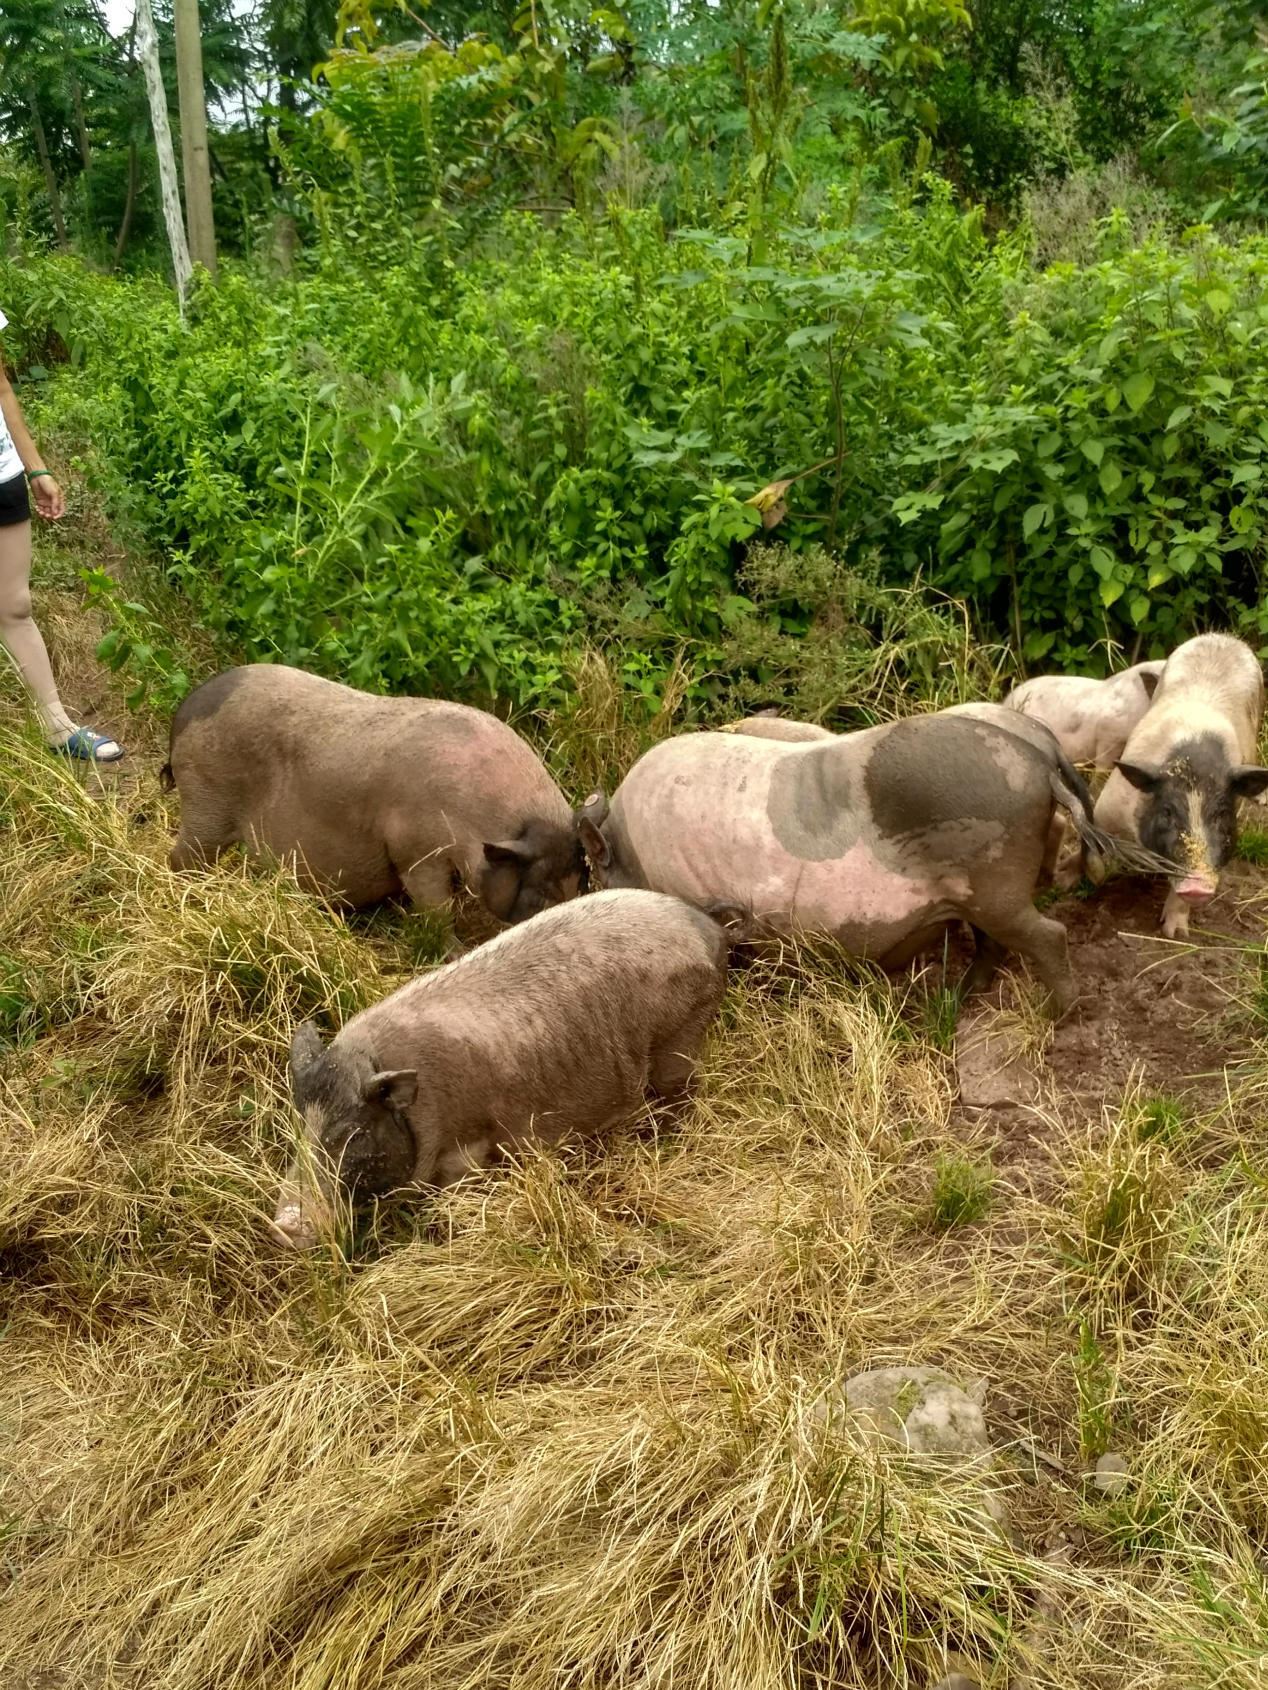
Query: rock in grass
x,y
957,1681
1112,1475
923,1410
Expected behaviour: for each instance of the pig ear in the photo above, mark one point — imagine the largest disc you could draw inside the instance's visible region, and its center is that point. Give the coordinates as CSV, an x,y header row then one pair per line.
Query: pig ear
x,y
1144,780
513,851
595,809
1248,781
596,846
1149,681
394,1088
306,1050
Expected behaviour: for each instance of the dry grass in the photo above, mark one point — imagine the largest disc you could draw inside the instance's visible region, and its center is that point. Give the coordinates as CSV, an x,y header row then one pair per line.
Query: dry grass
x,y
566,1425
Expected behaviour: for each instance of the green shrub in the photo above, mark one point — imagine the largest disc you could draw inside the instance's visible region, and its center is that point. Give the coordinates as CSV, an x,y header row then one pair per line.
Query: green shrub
x,y
444,479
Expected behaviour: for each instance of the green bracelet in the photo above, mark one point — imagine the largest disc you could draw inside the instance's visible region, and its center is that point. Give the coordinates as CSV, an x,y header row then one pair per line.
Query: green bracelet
x,y
35,474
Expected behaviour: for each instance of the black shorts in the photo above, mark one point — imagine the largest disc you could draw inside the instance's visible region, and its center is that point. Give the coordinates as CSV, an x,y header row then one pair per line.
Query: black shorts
x,y
15,502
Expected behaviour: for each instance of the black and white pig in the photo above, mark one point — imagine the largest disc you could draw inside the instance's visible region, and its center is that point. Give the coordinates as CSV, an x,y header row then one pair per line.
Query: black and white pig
x,y
1188,761
877,839
557,1026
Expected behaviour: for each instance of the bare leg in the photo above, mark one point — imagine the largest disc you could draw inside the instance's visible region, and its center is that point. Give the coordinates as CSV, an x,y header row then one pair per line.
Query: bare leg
x,y
20,636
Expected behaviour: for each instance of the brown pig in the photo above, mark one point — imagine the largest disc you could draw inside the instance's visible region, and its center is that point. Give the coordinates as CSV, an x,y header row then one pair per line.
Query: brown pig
x,y
370,796
559,1026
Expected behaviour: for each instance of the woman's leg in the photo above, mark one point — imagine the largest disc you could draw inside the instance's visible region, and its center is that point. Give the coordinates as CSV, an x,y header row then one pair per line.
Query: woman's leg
x,y
21,638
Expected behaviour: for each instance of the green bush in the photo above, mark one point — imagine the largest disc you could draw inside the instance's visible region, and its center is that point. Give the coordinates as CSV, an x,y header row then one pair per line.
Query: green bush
x,y
443,478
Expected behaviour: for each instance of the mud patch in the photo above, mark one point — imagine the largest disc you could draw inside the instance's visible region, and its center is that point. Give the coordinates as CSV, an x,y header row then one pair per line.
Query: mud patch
x,y
995,1066
1155,1017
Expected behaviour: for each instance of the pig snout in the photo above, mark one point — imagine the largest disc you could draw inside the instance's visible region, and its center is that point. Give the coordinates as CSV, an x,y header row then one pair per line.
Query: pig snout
x,y
299,1220
1196,889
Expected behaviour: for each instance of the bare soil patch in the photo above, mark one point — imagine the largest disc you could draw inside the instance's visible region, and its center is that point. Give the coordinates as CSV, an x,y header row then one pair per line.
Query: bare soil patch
x,y
1157,1018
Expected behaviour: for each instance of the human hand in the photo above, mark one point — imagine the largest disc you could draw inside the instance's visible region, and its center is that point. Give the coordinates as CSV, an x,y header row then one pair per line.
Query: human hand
x,y
49,499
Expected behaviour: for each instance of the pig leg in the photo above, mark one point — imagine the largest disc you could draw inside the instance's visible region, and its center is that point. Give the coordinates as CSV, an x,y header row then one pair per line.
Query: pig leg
x,y
673,1061
200,842
428,883
1175,917
463,1159
672,1068
1045,944
982,970
1062,865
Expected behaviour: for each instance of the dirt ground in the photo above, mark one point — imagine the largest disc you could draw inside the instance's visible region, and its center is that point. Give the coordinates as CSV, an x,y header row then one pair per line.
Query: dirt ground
x,y
1156,1017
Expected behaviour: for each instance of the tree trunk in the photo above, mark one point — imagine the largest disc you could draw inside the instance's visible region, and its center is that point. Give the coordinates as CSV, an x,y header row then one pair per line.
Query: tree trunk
x,y
81,125
50,175
147,50
129,204
193,108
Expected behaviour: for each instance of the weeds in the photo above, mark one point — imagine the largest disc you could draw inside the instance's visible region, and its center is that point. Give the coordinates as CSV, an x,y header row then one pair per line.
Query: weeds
x,y
962,1187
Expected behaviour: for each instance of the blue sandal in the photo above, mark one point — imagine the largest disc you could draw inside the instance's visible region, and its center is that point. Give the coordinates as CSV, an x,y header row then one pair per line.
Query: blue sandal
x,y
89,747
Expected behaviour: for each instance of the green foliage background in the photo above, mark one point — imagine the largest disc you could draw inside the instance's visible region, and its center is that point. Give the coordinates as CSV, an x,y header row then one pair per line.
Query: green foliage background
x,y
514,328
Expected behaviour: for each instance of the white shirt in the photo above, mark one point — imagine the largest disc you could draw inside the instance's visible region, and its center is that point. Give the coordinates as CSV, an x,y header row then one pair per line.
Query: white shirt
x,y
10,462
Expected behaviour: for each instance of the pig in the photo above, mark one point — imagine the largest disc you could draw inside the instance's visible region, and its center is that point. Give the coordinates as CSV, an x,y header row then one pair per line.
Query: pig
x,y
877,839
1076,862
370,796
1190,758
561,1025
1063,870
1091,719
779,727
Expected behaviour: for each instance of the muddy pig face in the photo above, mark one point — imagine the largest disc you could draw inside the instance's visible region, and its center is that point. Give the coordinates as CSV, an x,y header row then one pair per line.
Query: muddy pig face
x,y
544,866
359,1139
1189,815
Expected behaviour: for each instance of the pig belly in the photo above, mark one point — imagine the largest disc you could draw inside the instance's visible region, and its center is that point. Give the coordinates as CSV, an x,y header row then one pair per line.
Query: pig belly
x,y
326,857
869,908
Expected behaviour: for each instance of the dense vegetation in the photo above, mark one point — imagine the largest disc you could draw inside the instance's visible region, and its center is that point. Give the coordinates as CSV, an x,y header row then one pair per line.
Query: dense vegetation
x,y
529,328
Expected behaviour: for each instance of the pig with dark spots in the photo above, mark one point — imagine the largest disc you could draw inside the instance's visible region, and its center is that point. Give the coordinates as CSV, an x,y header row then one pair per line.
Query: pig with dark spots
x,y
370,796
1092,719
1085,852
1076,863
877,839
560,1026
1188,763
